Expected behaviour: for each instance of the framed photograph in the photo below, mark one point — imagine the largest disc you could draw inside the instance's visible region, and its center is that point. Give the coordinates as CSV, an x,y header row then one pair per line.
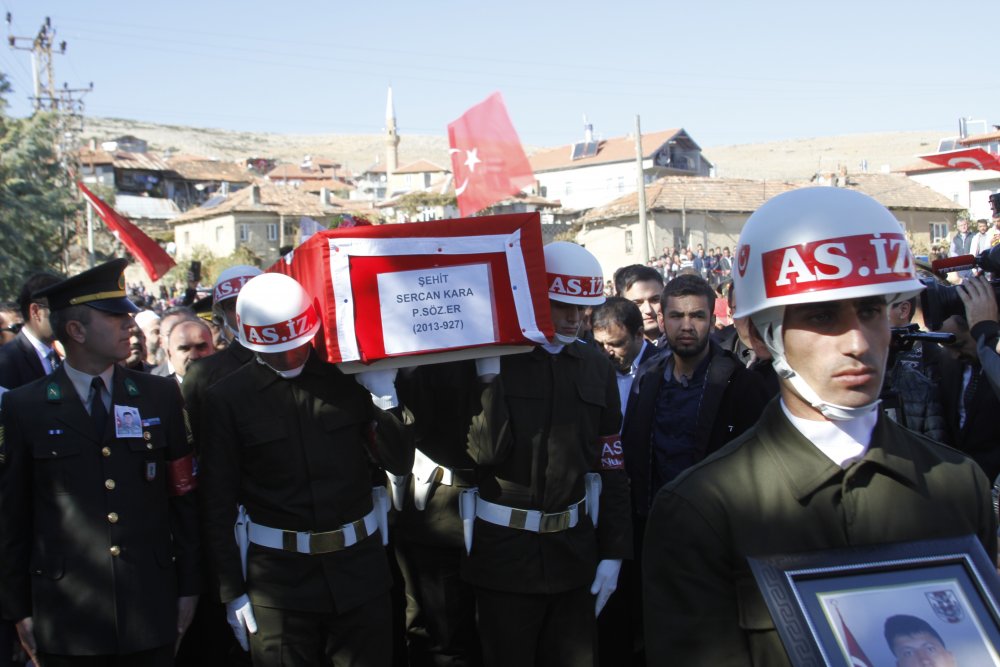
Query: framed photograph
x,y
932,602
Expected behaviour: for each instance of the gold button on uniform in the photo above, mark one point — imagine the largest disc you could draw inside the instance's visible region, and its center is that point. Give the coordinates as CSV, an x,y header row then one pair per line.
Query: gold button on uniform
x,y
113,517
115,550
105,451
109,484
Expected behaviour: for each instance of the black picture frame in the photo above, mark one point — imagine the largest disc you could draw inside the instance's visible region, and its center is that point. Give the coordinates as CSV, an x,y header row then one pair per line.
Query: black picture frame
x,y
830,607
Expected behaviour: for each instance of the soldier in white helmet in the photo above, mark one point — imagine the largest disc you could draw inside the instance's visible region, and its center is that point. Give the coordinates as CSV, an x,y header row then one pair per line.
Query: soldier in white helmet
x,y
545,552
823,468
208,640
294,444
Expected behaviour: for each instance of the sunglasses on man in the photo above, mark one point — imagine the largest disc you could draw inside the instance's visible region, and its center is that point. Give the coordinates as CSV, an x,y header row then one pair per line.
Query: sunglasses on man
x,y
13,328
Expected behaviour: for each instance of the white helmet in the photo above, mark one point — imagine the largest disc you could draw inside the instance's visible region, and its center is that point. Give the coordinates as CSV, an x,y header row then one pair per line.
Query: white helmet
x,y
574,274
231,281
274,314
812,245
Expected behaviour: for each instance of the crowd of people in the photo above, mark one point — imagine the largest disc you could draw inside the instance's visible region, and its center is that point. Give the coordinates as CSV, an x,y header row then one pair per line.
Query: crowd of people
x,y
191,483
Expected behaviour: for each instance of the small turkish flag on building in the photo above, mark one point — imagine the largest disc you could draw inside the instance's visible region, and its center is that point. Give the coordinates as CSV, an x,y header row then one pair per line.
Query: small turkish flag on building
x,y
487,160
154,259
969,158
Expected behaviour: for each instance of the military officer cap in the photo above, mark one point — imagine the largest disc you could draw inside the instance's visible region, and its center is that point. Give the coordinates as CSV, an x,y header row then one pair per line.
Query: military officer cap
x,y
203,307
102,287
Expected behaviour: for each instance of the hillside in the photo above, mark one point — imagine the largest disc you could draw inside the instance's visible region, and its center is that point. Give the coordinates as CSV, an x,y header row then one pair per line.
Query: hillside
x,y
790,159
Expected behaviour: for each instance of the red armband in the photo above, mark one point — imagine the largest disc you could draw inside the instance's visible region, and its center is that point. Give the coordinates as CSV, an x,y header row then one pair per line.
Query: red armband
x,y
612,456
182,477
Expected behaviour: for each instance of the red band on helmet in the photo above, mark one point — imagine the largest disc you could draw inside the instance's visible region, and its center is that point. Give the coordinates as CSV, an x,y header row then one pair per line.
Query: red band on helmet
x,y
575,285
181,476
849,261
281,332
612,456
227,289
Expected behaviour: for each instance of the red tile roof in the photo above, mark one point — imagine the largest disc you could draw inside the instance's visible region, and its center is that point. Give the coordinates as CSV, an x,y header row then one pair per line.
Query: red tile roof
x,y
419,167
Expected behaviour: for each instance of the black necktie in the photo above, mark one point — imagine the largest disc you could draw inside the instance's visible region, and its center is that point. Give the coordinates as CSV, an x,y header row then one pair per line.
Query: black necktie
x,y
970,391
98,412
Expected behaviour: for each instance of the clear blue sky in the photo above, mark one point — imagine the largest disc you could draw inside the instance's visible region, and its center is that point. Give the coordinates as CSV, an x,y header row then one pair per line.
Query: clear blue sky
x,y
728,72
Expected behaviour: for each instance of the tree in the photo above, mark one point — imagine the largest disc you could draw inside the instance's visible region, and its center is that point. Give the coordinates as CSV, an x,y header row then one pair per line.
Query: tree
x,y
35,200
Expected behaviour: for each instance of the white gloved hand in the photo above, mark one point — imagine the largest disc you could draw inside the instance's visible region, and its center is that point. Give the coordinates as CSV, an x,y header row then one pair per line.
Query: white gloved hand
x,y
487,368
605,583
240,616
381,384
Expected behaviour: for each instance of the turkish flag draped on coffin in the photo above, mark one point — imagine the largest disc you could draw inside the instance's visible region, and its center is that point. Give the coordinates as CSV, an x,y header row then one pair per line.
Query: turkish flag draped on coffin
x,y
487,160
416,290
154,259
970,158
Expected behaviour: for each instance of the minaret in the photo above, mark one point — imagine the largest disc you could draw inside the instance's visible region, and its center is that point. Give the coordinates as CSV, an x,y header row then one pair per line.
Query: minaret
x,y
391,138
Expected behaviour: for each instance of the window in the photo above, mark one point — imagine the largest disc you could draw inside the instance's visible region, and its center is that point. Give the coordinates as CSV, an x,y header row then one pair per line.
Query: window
x,y
939,231
568,188
218,234
628,241
621,184
187,239
244,232
272,231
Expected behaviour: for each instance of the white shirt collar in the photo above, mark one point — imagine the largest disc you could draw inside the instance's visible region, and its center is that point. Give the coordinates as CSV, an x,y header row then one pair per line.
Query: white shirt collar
x,y
41,349
81,381
843,442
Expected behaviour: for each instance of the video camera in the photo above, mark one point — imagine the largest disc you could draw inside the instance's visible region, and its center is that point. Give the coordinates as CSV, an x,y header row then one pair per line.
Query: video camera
x,y
939,302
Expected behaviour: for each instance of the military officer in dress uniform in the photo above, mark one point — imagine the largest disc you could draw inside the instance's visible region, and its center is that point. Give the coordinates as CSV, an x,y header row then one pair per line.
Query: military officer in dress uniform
x,y
288,454
547,543
98,527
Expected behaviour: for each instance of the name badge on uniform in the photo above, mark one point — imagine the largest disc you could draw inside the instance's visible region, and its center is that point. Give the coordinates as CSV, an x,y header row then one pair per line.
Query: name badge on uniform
x,y
128,423
150,471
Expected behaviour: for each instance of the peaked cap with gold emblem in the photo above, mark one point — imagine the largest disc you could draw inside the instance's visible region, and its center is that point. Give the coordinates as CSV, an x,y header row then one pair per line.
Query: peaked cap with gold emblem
x,y
102,287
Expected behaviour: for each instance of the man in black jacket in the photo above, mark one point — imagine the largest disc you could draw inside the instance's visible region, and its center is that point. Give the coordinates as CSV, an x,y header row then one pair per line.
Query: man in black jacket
x,y
691,401
30,355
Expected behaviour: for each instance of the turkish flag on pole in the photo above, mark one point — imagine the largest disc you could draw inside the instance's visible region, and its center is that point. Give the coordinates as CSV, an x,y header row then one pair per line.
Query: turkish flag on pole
x,y
969,158
155,259
487,160
858,657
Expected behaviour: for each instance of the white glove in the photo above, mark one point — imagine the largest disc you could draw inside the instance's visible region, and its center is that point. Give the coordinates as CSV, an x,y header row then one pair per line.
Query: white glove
x,y
605,583
239,613
487,368
382,386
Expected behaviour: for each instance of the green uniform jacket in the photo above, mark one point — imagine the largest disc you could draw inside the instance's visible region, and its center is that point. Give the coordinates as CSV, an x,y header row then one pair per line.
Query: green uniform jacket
x,y
539,434
773,492
297,454
69,500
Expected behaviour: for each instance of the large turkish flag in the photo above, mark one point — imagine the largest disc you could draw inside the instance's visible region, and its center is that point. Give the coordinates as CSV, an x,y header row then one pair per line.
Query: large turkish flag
x,y
487,160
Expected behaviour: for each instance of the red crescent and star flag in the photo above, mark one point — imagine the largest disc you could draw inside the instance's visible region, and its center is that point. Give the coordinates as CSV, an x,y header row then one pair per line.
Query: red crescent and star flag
x,y
487,160
969,158
153,258
858,657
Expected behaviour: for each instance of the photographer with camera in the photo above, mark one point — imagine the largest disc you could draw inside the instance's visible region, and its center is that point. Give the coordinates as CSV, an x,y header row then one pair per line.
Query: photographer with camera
x,y
971,406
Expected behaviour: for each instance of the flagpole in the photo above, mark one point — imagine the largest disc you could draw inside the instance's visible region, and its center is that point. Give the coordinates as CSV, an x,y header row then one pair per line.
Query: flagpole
x,y
641,190
90,233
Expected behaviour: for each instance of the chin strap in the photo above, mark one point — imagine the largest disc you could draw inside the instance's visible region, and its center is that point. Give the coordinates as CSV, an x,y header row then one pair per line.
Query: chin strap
x,y
563,339
288,375
769,328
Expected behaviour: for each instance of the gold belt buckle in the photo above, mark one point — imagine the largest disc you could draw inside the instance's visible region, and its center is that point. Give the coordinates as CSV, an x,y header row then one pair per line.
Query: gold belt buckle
x,y
553,523
323,543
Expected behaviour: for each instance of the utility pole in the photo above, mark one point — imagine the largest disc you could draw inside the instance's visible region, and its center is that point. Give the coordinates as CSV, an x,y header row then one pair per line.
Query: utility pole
x,y
65,102
641,191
